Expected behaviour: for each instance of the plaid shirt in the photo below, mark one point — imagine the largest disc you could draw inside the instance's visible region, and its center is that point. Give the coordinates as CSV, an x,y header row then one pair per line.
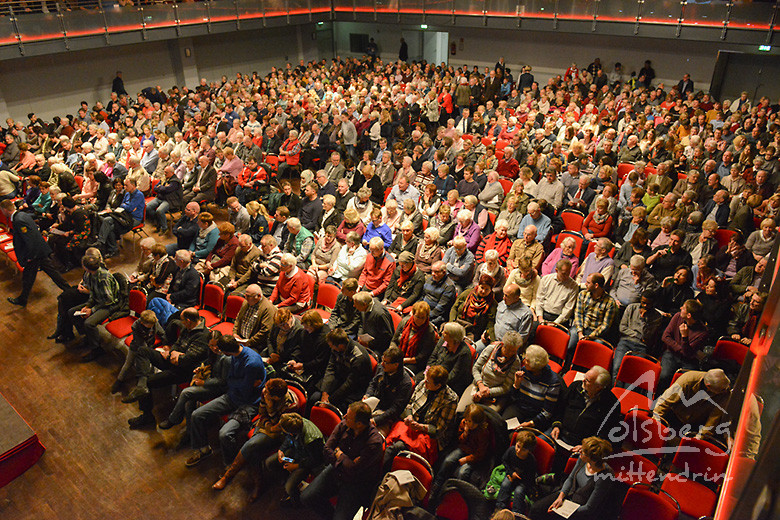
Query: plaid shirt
x,y
440,415
103,289
594,315
247,325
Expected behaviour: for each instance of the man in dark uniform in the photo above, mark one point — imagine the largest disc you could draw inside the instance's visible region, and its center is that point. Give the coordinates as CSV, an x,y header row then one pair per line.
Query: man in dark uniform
x,y
32,251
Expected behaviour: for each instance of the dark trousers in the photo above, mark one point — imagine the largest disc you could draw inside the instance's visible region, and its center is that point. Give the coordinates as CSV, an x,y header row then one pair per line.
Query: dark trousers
x,y
87,326
30,272
68,299
169,374
317,496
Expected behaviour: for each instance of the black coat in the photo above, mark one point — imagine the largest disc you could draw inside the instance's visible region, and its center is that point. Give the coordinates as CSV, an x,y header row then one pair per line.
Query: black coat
x,y
27,239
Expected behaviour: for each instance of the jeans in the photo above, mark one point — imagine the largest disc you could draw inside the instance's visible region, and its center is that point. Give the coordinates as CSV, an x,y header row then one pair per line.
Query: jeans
x,y
159,208
317,495
272,467
258,446
505,494
169,374
89,325
244,195
573,339
670,363
188,401
204,415
624,346
451,468
231,436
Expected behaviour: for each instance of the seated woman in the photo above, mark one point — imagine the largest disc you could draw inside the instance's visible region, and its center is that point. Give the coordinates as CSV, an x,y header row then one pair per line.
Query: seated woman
x,y
598,223
473,449
760,241
145,259
703,271
411,214
535,391
499,241
276,400
207,237
89,186
589,485
349,262
445,224
636,246
428,419
406,284
324,255
258,221
390,214
494,372
475,308
491,267
429,202
628,227
715,302
216,265
428,250
43,202
565,251
405,240
161,271
72,235
351,223
415,337
284,342
662,235
525,277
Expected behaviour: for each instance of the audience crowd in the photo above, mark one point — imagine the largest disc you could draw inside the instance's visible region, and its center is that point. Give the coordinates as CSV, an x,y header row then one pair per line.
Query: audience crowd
x,y
448,212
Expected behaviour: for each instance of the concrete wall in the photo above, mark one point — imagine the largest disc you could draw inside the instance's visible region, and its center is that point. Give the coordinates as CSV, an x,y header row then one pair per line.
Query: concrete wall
x,y
549,53
56,84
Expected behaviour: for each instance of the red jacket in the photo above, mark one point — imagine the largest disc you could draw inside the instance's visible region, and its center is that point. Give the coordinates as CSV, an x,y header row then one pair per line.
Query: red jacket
x,y
509,169
599,230
376,274
501,246
290,291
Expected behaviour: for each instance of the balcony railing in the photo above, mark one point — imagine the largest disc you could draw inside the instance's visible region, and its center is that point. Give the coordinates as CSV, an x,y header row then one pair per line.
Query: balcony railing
x,y
26,21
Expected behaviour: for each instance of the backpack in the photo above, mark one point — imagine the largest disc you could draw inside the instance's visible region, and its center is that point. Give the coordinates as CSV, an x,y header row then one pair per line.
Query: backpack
x,y
494,483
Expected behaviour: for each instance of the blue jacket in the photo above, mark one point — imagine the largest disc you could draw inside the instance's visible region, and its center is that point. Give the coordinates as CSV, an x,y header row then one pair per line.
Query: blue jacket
x,y
382,232
134,204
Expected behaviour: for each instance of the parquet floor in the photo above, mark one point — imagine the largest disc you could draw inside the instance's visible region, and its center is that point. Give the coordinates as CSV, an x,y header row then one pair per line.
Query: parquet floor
x,y
95,467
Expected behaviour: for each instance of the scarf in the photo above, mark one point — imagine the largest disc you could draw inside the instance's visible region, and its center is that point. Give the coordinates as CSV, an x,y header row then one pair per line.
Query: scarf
x,y
600,219
427,251
203,232
405,275
327,243
410,337
501,363
475,306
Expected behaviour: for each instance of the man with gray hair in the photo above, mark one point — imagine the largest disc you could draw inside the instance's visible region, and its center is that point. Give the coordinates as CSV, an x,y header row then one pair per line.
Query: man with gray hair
x,y
640,328
589,409
378,269
697,400
632,281
511,315
376,325
292,290
460,263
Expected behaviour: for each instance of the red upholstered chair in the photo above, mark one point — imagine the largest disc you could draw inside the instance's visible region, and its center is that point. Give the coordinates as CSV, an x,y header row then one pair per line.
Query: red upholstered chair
x,y
641,371
722,236
641,503
728,349
631,467
417,465
506,184
325,417
123,326
572,219
396,318
588,354
232,306
213,301
326,300
645,434
553,338
698,497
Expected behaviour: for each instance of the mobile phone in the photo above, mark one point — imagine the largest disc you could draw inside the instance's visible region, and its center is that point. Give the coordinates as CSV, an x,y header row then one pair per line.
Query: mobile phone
x,y
287,459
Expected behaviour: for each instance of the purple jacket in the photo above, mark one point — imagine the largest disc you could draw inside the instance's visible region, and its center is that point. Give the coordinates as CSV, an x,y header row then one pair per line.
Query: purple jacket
x,y
472,236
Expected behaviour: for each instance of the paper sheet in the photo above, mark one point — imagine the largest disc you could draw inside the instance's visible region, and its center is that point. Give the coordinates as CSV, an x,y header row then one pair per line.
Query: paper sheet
x,y
567,509
565,446
512,424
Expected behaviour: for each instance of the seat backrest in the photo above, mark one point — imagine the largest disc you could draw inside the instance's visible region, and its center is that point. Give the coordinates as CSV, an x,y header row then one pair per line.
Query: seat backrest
x,y
232,306
137,301
415,467
300,396
641,503
577,238
396,318
590,353
327,295
630,467
728,349
572,220
697,456
645,433
213,297
639,371
722,236
552,339
325,419
452,507
506,184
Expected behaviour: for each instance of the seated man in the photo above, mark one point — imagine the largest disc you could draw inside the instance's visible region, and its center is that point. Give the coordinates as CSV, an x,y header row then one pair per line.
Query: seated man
x,y
345,315
121,220
678,405
353,453
535,218
666,259
557,295
594,313
598,261
640,329
245,379
300,243
588,408
348,373
255,318
743,325
264,270
511,315
389,391
630,283
183,291
186,228
376,326
439,293
460,263
534,393
377,270
453,353
292,288
176,363
684,340
104,299
285,341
